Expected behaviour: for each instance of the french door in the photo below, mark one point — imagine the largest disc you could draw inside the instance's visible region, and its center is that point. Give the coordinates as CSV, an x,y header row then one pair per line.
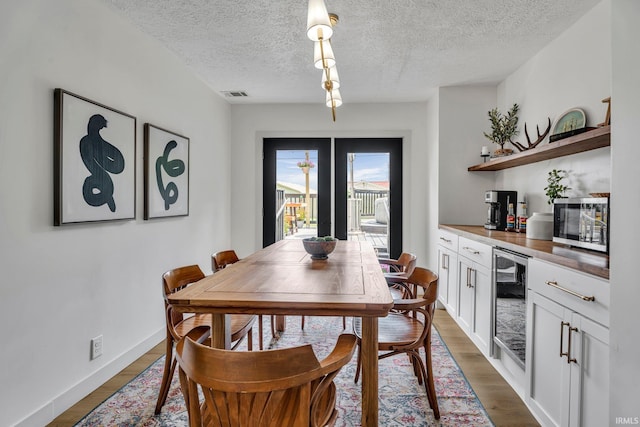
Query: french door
x,y
290,191
380,175
367,190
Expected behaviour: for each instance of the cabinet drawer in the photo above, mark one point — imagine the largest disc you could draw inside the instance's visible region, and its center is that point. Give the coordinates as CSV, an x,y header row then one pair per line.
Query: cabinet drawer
x,y
574,289
475,251
448,239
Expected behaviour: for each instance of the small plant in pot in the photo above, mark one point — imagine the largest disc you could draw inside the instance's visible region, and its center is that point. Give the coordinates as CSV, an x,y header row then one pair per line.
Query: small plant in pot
x,y
503,128
540,224
555,188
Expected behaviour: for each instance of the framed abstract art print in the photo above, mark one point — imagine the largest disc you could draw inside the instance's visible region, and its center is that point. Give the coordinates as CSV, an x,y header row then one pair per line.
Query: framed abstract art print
x,y
166,173
94,161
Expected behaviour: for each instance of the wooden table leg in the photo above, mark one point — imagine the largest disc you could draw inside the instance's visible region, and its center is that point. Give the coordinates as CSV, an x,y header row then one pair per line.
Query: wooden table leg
x,y
369,348
220,331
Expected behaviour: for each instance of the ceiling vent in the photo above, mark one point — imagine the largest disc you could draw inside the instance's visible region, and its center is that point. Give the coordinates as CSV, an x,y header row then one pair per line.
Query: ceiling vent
x,y
234,93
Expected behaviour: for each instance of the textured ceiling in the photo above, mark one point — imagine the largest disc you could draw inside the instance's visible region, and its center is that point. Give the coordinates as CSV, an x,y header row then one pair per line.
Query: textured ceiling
x,y
386,51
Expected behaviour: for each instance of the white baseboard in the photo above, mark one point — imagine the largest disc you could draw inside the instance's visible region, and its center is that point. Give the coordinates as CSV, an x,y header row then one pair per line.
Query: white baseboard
x,y
77,392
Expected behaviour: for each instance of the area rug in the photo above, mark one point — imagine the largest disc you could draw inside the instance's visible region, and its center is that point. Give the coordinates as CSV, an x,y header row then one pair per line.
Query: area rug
x,y
402,401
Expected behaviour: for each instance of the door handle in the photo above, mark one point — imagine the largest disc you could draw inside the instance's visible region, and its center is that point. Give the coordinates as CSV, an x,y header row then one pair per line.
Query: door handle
x,y
554,284
445,263
568,352
562,353
469,271
472,250
569,358
445,240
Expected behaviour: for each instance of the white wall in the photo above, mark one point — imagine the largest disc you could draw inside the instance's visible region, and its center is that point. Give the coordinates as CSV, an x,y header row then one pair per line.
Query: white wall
x,y
61,286
573,71
463,119
252,123
625,199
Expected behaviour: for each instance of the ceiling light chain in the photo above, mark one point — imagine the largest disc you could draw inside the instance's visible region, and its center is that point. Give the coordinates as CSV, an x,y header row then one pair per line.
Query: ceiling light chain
x,y
320,25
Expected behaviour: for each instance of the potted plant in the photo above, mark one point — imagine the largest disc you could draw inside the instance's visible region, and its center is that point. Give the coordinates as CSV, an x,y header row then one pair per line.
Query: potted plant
x,y
503,128
305,165
301,215
540,224
555,188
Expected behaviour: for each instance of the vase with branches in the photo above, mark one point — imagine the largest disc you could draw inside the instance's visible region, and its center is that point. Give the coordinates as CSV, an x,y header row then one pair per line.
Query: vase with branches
x,y
503,128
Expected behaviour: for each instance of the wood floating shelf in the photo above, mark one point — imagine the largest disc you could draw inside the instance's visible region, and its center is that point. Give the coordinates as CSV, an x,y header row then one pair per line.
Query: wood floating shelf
x,y
590,140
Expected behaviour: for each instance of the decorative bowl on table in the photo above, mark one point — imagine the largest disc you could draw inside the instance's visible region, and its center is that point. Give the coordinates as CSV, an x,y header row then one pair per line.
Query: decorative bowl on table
x,y
319,247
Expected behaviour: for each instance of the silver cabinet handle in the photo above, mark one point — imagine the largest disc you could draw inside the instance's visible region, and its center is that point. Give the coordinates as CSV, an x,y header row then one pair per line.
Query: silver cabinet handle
x,y
554,284
473,251
445,240
469,271
445,261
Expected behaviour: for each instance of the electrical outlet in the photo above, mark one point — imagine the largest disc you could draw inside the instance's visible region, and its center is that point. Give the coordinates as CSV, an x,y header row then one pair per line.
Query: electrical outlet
x,y
96,347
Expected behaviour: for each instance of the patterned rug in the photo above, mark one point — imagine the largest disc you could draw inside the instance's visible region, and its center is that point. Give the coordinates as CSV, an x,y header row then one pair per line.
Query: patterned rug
x,y
402,401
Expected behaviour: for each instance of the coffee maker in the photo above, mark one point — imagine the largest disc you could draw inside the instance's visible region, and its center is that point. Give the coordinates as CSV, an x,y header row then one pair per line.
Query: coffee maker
x,y
498,201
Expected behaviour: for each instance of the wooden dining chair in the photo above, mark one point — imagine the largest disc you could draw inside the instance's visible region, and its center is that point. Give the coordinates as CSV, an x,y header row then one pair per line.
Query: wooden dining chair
x,y
221,260
399,271
279,388
179,324
407,329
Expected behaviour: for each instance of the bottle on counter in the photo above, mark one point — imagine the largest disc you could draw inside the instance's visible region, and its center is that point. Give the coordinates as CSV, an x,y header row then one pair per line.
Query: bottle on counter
x,y
522,218
511,218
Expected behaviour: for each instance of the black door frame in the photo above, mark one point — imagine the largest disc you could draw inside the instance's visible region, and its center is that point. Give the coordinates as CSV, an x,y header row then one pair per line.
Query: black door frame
x,y
269,148
393,146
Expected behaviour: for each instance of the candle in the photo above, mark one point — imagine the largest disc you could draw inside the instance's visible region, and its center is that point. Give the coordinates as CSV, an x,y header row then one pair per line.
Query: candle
x,y
485,151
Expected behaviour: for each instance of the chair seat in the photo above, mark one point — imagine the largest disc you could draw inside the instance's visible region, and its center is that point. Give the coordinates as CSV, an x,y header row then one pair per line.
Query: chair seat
x,y
393,331
396,293
240,323
395,277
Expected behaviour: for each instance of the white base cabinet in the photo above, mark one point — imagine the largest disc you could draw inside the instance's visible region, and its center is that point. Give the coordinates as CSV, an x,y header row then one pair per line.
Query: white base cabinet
x,y
475,293
567,352
448,271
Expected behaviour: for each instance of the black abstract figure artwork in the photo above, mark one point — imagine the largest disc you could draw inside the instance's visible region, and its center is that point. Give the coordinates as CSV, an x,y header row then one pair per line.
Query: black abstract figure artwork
x,y
101,159
173,168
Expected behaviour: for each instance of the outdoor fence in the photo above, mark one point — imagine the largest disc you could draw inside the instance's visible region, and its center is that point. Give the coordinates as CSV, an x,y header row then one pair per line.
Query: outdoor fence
x,y
367,204
369,197
300,198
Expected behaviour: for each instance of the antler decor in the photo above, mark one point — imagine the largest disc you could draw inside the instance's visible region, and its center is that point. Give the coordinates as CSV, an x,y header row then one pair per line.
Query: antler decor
x,y
537,141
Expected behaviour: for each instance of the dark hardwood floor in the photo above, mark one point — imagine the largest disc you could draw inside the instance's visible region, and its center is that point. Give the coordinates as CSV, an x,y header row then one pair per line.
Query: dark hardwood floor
x,y
503,405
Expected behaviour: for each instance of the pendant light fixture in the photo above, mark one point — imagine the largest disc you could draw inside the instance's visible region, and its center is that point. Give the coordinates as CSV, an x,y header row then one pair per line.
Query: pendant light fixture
x,y
320,25
331,75
323,54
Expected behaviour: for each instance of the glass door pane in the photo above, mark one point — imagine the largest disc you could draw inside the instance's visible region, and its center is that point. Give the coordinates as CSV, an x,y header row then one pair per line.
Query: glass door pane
x,y
296,187
368,192
368,199
293,193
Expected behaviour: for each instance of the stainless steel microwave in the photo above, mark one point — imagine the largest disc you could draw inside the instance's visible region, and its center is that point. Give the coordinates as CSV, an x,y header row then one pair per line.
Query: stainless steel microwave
x,y
582,222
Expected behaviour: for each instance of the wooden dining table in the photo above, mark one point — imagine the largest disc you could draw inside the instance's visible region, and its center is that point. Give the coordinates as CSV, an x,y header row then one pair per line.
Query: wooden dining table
x,y
282,279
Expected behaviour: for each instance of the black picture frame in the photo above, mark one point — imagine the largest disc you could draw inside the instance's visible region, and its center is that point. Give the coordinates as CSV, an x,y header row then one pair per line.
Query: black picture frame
x,y
94,161
166,173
